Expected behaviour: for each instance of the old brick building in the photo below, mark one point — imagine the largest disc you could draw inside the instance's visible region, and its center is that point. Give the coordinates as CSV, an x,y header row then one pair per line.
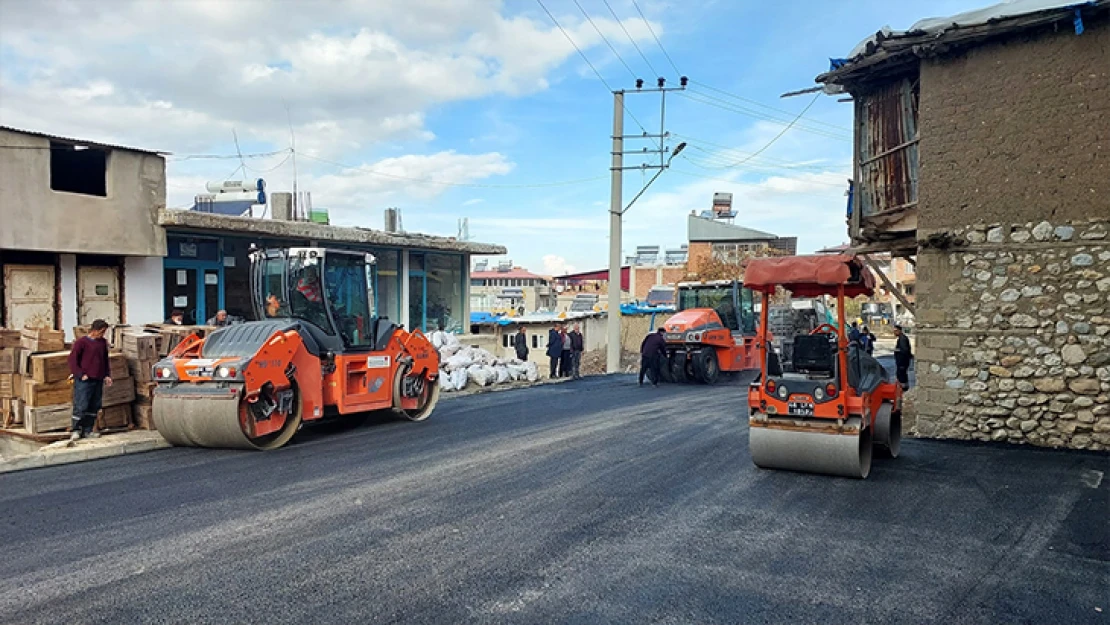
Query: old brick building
x,y
983,148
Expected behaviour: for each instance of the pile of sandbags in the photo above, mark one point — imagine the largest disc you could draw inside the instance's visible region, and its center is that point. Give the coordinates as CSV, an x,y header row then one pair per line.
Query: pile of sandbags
x,y
460,366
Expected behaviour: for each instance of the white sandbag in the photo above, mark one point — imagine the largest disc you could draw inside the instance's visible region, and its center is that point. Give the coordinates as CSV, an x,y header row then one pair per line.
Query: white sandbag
x,y
446,384
437,339
448,350
458,361
480,374
459,379
517,371
502,373
533,372
450,341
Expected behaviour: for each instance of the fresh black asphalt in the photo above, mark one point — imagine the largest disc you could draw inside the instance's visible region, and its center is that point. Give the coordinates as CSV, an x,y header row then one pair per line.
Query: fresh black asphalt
x,y
587,502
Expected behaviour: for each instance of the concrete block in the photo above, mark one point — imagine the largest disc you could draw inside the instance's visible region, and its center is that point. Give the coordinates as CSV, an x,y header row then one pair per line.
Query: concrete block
x,y
103,451
940,341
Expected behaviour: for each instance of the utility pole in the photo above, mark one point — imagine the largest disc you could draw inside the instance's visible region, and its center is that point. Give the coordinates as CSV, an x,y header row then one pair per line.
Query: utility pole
x,y
613,327
616,210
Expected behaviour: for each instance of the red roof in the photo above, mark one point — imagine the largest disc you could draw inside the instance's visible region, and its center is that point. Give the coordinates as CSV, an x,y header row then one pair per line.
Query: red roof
x,y
809,276
599,275
515,273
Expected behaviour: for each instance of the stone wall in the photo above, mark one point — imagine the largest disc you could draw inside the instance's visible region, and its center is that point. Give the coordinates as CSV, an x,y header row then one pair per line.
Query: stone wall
x,y
1013,324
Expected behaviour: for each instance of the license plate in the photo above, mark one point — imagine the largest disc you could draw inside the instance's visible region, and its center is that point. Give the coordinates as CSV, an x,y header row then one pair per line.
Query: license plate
x,y
672,336
803,408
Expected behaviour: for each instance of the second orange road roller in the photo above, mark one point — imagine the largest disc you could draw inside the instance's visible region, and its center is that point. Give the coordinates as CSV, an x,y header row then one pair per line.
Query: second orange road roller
x,y
829,407
316,352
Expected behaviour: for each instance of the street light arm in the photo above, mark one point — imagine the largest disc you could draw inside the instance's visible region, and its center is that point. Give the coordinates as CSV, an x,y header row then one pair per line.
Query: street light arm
x,y
679,148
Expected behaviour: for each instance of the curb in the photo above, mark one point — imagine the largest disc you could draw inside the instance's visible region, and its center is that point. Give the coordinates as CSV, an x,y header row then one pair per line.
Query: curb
x,y
48,457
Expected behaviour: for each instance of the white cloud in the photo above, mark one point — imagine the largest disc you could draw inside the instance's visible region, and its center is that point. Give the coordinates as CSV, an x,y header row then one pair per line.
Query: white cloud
x,y
554,265
352,72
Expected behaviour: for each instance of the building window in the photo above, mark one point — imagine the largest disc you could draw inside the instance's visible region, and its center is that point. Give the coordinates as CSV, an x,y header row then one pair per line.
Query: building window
x,y
83,171
535,341
505,339
445,275
387,284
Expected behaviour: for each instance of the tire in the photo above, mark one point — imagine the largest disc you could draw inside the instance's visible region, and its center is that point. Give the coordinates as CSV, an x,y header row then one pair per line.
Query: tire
x,y
706,367
678,368
665,370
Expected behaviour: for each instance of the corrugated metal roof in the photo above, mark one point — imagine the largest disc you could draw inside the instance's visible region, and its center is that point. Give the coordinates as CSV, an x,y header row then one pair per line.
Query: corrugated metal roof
x,y
96,144
702,229
515,273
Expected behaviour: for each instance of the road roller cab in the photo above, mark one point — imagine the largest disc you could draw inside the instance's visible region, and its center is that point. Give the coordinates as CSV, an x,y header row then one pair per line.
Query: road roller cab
x,y
828,407
317,351
712,331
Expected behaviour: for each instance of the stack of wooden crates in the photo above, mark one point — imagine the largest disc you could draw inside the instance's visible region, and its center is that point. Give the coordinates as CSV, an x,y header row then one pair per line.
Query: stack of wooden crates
x,y
142,350
11,380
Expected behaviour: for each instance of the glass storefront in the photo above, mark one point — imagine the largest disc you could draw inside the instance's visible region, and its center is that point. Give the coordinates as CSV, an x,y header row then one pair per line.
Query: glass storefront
x,y
387,288
444,276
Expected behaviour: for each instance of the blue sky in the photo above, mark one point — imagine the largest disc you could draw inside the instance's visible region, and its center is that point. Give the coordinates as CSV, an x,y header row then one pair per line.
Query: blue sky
x,y
397,104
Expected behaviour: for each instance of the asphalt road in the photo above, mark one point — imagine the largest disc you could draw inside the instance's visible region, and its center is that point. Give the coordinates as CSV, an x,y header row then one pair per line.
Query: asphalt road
x,y
588,502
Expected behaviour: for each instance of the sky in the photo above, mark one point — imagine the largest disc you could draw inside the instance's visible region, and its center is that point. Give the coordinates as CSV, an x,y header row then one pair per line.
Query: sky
x,y
475,109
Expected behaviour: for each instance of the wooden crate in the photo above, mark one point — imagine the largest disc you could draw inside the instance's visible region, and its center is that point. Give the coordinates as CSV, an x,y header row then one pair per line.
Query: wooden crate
x,y
122,391
114,418
24,368
140,345
117,366
38,340
9,359
11,386
141,370
39,420
50,367
9,338
8,409
37,394
145,390
142,415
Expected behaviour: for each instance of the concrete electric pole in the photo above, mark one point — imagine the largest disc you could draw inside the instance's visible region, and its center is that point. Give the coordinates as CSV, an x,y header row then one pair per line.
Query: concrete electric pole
x,y
616,210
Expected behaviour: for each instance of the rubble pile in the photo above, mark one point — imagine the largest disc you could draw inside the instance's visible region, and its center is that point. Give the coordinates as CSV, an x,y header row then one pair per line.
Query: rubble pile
x,y
460,366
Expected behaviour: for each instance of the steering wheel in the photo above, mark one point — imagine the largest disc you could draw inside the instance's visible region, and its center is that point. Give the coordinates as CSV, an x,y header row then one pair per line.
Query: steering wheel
x,y
825,328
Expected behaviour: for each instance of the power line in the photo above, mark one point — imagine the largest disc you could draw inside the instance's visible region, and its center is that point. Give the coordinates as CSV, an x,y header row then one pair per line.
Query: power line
x,y
759,104
727,181
472,185
656,38
191,157
733,109
630,39
778,136
695,141
587,60
777,116
717,160
270,169
605,39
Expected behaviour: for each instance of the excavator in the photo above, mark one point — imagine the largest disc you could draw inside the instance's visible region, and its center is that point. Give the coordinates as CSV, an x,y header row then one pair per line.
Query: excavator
x,y
831,405
317,352
712,331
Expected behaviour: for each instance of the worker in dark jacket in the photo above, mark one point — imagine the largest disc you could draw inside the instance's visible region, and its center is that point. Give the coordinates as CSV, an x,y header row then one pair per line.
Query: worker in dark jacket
x,y
577,346
520,344
902,357
554,349
653,352
88,368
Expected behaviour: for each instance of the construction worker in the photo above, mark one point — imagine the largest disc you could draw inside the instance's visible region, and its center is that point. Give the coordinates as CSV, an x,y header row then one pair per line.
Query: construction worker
x,y
902,357
520,344
554,349
88,368
577,346
653,351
